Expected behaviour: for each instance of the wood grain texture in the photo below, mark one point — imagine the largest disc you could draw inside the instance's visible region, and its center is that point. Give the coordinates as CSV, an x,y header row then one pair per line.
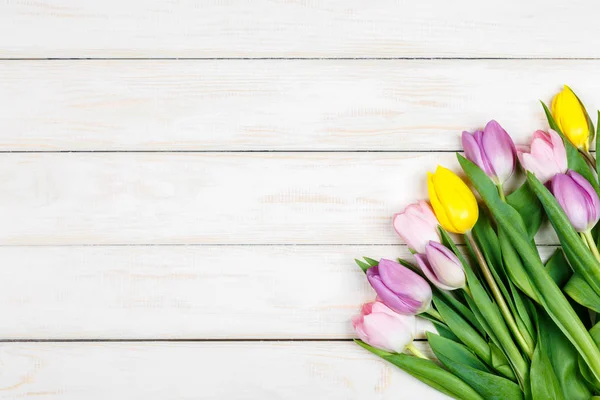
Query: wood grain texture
x,y
186,292
392,105
205,198
157,371
268,28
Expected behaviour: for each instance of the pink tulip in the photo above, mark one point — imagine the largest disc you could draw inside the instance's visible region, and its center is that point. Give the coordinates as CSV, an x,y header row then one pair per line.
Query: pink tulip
x,y
492,150
401,289
546,157
381,327
417,225
578,200
442,267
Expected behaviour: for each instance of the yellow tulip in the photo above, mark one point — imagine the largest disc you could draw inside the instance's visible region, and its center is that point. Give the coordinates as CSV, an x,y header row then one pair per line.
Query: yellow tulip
x,y
454,204
571,118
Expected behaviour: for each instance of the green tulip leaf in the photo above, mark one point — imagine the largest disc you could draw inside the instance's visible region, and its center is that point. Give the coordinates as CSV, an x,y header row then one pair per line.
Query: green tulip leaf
x,y
491,249
371,262
581,259
500,363
463,330
549,294
458,352
528,206
514,266
558,267
523,307
564,360
441,328
364,266
544,384
463,310
428,372
464,364
580,291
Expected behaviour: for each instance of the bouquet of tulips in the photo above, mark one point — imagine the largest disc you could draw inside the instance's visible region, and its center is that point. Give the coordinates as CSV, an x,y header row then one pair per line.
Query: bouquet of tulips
x,y
509,326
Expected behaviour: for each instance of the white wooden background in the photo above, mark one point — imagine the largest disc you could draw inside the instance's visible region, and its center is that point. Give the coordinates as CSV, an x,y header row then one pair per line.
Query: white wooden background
x,y
184,184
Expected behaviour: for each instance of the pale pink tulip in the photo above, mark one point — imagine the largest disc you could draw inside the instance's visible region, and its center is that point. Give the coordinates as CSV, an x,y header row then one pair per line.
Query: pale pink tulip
x,y
417,226
442,267
545,157
379,326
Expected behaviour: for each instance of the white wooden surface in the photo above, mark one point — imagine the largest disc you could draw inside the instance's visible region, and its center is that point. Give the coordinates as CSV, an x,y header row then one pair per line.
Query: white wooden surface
x,y
184,185
184,370
185,292
224,105
298,28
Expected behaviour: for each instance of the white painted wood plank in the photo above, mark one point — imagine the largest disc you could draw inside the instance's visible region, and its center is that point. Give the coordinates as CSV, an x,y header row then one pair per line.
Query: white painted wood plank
x,y
157,371
276,104
186,292
266,28
206,198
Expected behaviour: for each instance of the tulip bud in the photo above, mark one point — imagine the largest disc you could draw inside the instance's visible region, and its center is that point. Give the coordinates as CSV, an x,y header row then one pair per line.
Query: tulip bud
x,y
417,225
546,157
381,327
454,204
571,118
399,288
578,200
492,150
442,267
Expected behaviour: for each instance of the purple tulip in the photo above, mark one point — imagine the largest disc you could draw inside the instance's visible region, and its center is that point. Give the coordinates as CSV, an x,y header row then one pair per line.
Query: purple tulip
x,y
442,267
417,225
492,150
399,288
381,327
578,200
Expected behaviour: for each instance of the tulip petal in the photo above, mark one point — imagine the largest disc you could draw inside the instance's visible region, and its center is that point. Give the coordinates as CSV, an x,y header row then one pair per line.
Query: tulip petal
x,y
403,281
427,269
387,332
473,151
456,199
591,197
499,150
399,303
560,153
446,266
571,118
400,288
540,169
546,157
440,212
416,226
572,201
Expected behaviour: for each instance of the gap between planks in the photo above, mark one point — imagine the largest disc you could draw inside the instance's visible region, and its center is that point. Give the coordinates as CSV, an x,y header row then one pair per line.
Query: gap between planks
x,y
299,58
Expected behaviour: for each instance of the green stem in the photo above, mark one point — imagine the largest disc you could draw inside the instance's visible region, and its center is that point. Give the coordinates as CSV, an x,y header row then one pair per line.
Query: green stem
x,y
501,192
583,238
434,314
590,242
468,291
411,347
508,317
589,158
